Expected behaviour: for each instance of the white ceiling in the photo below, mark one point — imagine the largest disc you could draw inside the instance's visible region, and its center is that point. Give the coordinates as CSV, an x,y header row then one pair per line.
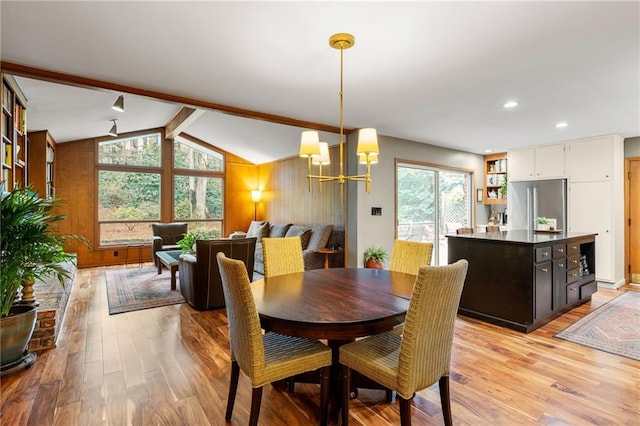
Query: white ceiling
x,y
432,72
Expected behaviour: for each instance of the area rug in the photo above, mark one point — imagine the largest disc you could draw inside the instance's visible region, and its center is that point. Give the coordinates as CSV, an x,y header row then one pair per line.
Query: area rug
x,y
134,289
614,327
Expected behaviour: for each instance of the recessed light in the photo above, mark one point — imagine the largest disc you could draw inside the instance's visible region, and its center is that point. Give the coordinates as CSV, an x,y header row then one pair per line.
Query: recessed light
x,y
487,151
561,125
511,104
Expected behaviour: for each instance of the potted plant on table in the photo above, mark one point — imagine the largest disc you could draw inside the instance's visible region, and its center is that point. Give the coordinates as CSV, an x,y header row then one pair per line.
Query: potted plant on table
x,y
188,242
29,250
542,224
374,257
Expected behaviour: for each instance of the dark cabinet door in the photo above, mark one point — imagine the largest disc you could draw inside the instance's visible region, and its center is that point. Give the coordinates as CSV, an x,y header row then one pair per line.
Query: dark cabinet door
x,y
559,283
544,290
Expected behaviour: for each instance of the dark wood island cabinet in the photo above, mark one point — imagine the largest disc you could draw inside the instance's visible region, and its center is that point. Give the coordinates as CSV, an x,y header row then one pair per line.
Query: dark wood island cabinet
x,y
522,279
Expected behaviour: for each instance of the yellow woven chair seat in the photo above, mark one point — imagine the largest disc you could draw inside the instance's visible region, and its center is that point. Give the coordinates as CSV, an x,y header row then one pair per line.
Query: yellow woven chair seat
x,y
375,357
286,356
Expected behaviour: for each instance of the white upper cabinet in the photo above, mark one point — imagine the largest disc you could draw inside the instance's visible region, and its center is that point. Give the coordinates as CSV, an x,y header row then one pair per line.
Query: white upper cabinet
x,y
549,161
540,162
591,159
521,163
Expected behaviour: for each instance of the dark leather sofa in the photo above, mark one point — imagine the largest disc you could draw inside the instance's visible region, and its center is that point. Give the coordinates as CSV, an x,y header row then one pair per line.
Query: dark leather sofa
x,y
200,281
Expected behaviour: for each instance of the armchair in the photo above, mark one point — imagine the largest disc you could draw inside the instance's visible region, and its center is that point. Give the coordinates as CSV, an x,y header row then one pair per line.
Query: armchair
x,y
200,281
166,236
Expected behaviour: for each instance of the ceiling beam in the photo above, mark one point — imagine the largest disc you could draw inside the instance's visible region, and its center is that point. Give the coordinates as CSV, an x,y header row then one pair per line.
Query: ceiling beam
x,y
181,121
78,81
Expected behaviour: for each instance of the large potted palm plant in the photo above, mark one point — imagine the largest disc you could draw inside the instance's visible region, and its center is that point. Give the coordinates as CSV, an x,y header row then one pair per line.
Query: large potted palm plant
x,y
30,249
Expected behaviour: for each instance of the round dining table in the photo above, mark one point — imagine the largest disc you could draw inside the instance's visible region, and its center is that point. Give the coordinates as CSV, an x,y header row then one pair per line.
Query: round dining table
x,y
336,304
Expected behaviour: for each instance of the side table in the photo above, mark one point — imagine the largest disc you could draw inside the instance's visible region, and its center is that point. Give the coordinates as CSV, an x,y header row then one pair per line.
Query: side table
x,y
327,252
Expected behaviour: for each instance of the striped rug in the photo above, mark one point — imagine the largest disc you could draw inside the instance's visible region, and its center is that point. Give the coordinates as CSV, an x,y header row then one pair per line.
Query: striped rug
x,y
614,327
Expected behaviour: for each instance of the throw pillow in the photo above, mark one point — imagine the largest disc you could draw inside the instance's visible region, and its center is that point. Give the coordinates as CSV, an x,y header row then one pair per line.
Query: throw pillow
x,y
254,223
261,231
300,231
278,230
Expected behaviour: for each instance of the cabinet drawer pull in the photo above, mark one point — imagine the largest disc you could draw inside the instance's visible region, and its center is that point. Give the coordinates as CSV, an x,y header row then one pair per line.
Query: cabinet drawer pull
x,y
574,275
573,289
561,265
561,250
545,270
545,254
575,262
574,247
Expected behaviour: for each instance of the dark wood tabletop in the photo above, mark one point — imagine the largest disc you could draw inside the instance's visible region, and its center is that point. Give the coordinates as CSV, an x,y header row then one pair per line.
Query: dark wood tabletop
x,y
335,304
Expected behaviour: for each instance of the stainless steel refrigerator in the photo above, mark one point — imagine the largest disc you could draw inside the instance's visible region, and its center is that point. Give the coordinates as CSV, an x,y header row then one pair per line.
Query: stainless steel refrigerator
x,y
529,200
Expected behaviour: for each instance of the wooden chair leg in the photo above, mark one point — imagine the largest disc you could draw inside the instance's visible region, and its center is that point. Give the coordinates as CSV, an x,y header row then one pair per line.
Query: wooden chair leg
x,y
233,387
445,400
324,395
291,385
405,411
346,394
256,399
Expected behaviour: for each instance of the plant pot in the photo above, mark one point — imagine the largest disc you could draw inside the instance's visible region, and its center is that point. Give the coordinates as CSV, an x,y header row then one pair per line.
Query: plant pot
x,y
372,264
16,330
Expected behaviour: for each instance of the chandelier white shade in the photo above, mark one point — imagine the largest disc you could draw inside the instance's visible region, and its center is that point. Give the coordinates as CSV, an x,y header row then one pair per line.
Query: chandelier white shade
x,y
317,153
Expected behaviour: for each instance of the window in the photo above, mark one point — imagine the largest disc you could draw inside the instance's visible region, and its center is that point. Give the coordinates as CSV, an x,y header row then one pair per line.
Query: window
x,y
198,187
131,196
432,202
129,188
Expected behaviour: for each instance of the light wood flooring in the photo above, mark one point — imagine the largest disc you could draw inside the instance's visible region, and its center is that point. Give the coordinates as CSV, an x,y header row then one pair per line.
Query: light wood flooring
x,y
170,366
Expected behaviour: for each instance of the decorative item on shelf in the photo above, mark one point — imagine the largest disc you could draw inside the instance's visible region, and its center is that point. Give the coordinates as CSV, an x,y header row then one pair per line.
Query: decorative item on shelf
x,y
374,257
503,186
256,195
367,148
493,194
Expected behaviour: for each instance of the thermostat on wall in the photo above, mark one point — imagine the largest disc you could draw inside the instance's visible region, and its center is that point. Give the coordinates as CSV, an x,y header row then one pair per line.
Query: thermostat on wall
x,y
376,211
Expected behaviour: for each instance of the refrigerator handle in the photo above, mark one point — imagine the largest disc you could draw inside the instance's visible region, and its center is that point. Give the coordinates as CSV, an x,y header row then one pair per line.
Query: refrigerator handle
x,y
529,207
535,208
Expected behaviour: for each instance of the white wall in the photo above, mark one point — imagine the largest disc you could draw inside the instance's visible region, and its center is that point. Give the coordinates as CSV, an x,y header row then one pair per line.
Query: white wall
x,y
366,230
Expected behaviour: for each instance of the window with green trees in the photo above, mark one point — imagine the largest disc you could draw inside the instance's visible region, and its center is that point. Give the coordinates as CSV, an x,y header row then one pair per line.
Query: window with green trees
x,y
130,193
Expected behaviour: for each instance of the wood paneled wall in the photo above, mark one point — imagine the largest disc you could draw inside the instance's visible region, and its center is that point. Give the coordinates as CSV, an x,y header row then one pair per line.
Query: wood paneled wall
x,y
286,198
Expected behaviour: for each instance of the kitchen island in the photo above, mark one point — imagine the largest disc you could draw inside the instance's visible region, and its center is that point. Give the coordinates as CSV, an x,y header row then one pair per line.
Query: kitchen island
x,y
523,279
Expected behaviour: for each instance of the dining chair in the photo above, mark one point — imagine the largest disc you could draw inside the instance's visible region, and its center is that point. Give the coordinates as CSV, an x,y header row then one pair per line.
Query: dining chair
x,y
409,256
419,357
464,231
493,228
282,256
268,357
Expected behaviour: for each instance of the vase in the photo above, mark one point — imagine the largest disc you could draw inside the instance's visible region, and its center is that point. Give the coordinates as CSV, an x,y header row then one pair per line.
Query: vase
x,y
372,264
16,330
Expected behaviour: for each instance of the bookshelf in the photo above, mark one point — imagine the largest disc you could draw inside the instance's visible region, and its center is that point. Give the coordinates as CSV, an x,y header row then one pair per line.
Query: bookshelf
x,y
15,143
42,149
495,174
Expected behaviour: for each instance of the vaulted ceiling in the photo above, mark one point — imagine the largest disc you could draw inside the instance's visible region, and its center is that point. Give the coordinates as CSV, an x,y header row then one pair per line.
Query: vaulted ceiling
x,y
432,72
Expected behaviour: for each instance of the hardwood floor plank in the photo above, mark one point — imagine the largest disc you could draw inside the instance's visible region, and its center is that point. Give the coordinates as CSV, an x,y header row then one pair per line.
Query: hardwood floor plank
x,y
170,366
44,406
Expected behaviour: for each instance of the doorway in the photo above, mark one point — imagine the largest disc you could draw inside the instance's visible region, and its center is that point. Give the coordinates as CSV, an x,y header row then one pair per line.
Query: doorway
x,y
632,201
430,203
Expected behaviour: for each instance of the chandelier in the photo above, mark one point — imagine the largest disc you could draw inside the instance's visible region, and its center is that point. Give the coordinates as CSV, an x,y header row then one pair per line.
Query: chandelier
x,y
317,153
